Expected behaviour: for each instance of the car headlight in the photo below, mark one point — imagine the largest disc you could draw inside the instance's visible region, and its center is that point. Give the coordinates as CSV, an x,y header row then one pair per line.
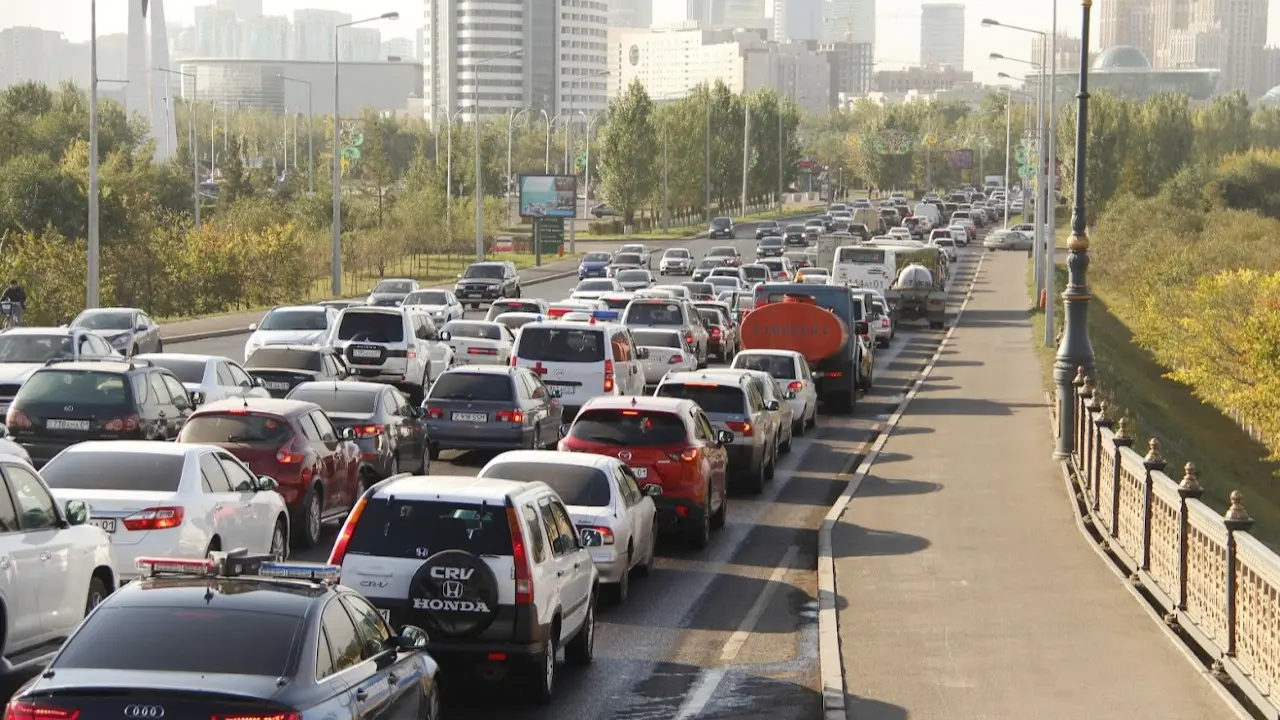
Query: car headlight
x,y
120,340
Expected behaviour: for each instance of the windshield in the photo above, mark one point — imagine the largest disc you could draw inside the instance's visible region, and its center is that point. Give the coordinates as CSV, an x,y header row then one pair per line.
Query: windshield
x,y
721,222
626,259
706,263
34,348
580,486
637,249
295,320
754,272
514,321
795,228
427,297
543,344
283,358
75,387
676,253
332,399
658,338
142,638
782,368
371,327
394,286
107,320
236,428
722,252
771,242
482,331
143,472
632,276
483,271
630,428
471,386
595,286
596,257
767,224
714,399
187,370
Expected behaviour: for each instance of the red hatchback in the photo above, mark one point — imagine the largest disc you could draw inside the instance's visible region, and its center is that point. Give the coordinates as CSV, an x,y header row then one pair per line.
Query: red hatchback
x,y
668,442
316,465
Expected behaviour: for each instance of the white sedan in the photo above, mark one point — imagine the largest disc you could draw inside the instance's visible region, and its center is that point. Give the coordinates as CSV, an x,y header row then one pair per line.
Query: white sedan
x,y
646,259
612,510
476,342
513,321
215,378
634,279
516,305
292,325
667,353
792,372
164,499
593,289
441,305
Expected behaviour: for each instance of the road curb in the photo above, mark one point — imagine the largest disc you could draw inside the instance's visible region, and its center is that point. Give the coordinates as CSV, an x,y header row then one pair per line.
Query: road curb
x,y
229,332
831,667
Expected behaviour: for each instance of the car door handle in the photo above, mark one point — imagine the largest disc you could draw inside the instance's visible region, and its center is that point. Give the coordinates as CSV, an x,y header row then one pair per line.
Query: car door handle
x,y
45,556
362,695
559,573
393,678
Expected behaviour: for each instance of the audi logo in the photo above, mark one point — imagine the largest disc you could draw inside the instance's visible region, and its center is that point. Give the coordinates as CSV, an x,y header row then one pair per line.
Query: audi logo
x,y
144,711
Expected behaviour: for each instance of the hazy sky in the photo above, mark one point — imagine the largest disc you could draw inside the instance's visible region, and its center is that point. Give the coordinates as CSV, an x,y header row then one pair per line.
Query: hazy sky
x,y
897,31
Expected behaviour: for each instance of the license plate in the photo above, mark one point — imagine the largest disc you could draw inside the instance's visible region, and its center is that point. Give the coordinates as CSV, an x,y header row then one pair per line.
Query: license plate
x,y
565,389
67,424
470,417
471,294
641,473
107,524
360,353
277,385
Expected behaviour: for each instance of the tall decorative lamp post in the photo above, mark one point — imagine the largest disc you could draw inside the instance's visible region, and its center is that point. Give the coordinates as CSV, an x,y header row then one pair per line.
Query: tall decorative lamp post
x,y
1075,350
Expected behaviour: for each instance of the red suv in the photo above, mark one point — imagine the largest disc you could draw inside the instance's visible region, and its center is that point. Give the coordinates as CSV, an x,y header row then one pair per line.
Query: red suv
x,y
668,442
316,465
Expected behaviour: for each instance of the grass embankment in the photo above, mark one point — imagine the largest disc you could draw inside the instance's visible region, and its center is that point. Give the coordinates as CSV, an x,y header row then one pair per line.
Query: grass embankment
x,y
1135,387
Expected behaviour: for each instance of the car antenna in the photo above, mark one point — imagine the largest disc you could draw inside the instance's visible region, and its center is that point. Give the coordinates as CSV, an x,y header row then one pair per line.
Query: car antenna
x,y
245,399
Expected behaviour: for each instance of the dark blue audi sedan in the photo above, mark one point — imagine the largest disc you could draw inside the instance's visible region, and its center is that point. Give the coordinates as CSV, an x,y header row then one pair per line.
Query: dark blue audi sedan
x,y
234,637
594,264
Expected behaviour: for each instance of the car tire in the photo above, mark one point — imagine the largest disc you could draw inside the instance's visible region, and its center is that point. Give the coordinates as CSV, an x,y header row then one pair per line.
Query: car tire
x,y
698,534
643,568
800,427
307,520
719,517
433,451
279,541
791,436
581,650
98,592
536,443
753,481
543,675
621,590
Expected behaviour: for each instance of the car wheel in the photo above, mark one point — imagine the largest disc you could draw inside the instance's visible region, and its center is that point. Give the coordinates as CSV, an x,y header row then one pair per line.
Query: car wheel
x,y
159,346
798,428
308,521
643,568
98,592
544,673
698,534
431,705
791,436
719,516
753,482
619,591
581,650
279,541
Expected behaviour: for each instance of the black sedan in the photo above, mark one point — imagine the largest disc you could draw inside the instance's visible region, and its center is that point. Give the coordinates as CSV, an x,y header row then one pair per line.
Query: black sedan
x,y
274,640
283,367
722,227
764,228
794,235
770,247
388,430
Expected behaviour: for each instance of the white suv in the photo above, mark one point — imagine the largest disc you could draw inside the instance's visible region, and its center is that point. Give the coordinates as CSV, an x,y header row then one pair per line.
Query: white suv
x,y
394,345
494,570
581,359
54,566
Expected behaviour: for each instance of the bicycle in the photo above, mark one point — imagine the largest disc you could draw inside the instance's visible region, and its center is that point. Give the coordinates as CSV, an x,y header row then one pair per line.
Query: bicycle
x,y
8,315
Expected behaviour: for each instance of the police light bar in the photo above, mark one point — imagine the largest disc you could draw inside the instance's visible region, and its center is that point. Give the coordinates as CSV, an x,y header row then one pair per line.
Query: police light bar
x,y
605,315
152,566
301,571
577,316
557,312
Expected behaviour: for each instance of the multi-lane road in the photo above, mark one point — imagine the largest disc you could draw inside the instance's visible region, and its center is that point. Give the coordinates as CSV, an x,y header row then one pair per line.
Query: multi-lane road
x,y
730,631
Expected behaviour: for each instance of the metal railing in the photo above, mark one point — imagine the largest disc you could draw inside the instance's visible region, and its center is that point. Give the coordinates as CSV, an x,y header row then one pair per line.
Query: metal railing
x,y
1213,580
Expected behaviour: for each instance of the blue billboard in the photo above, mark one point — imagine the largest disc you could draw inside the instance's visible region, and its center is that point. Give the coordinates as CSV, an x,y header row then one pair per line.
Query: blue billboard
x,y
548,196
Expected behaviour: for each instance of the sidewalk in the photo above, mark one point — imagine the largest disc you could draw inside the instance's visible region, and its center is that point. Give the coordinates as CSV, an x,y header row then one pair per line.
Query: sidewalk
x,y
965,589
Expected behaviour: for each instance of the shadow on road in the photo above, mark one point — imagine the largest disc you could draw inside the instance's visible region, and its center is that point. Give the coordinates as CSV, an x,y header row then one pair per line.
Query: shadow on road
x,y
875,486
849,539
860,708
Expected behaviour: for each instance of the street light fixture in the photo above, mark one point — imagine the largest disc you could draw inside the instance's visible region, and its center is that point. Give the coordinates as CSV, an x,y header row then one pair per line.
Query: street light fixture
x,y
475,71
195,155
311,153
568,143
336,286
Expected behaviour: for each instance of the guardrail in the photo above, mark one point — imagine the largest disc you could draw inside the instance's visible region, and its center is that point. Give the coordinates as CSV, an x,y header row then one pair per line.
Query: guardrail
x,y
1213,580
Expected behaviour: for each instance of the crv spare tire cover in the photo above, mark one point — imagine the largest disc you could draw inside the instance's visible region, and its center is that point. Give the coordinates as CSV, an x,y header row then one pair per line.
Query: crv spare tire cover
x,y
457,593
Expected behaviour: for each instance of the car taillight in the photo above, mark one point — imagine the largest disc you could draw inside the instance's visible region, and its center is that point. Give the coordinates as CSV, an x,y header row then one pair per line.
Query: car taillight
x,y
688,454
124,423
344,535
288,456
27,710
715,332
259,716
156,518
481,351
796,386
17,418
742,428
368,431
608,376
676,359
688,339
520,559
435,413
595,535
511,416
512,361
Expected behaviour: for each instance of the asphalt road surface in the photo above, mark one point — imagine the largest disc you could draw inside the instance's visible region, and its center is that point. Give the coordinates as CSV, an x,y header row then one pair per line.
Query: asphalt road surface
x,y
732,630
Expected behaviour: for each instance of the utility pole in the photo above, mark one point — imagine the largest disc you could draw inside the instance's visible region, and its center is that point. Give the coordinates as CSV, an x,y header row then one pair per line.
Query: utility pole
x,y
746,152
94,280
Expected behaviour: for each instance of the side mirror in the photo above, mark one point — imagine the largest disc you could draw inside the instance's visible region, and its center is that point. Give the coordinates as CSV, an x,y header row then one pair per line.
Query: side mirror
x,y
253,327
77,512
412,638
564,431
141,328
652,490
861,327
724,437
772,405
197,398
347,434
267,484
445,336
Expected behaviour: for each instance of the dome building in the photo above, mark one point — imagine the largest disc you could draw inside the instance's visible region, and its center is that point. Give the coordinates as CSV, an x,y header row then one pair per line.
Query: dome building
x,y
1126,71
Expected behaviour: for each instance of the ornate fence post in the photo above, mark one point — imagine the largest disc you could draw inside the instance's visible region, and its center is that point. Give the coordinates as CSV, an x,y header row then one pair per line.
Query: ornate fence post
x,y
1153,462
1077,385
1188,489
1083,419
1094,463
1236,520
1122,440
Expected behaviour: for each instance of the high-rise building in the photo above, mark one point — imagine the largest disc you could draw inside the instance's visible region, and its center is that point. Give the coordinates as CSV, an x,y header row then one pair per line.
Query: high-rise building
x,y
631,13
740,14
401,48
850,21
29,54
797,20
312,36
1067,55
560,66
244,9
360,44
1126,22
1167,16
217,31
1244,23
265,37
942,35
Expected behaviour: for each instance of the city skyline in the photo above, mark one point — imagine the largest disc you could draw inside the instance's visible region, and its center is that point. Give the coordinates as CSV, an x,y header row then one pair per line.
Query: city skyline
x,y
897,27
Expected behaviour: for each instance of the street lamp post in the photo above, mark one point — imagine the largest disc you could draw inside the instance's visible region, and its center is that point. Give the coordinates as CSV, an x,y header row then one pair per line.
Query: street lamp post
x,y
568,143
591,121
1051,207
479,179
336,285
311,152
448,174
92,295
195,154
1008,143
512,116
707,180
551,120
746,151
1038,226
1075,351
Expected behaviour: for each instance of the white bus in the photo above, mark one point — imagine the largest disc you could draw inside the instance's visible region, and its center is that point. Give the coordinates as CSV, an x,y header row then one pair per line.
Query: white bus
x,y
874,268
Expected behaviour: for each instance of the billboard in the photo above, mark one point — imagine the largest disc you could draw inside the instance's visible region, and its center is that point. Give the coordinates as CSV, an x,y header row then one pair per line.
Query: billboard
x,y
548,196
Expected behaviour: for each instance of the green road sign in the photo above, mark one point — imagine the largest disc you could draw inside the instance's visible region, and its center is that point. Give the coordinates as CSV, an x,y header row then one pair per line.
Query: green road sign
x,y
755,157
550,229
1026,172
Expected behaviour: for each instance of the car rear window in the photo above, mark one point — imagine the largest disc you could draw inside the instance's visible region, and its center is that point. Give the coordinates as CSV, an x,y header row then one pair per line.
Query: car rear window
x,y
417,529
626,259
657,338
471,386
658,313
284,358
144,472
630,428
721,399
582,486
295,320
154,638
371,327
76,387
480,331
543,344
709,316
332,400
783,368
771,241
187,371
236,429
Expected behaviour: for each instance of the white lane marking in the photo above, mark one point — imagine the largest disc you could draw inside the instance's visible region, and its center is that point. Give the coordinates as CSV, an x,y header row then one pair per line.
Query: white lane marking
x,y
700,694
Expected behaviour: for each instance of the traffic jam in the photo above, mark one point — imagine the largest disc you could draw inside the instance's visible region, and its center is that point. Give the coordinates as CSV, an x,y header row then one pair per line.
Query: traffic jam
x,y
159,503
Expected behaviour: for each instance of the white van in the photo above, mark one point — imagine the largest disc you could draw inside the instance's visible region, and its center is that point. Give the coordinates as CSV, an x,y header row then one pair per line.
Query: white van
x,y
930,211
865,266
582,360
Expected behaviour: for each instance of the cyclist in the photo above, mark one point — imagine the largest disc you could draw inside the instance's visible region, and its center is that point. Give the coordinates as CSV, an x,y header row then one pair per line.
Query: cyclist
x,y
13,302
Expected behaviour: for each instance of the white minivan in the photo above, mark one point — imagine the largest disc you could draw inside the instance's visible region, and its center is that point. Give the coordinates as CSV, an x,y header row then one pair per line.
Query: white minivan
x,y
582,359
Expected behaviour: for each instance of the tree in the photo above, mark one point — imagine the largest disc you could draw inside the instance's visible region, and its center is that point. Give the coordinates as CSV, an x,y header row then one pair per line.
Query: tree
x,y
627,161
1223,128
234,183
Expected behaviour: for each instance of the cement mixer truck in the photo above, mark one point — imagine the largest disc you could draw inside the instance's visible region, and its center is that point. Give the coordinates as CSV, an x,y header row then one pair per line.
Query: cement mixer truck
x,y
920,290
826,324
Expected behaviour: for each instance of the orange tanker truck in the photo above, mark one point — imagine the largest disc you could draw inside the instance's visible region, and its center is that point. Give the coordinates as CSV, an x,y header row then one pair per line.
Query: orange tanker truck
x,y
826,324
